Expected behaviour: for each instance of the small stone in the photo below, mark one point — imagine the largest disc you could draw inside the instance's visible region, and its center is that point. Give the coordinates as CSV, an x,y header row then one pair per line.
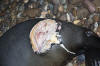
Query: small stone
x,y
34,0
75,1
98,9
6,1
19,15
61,8
90,19
63,17
26,1
70,17
43,14
41,2
31,13
65,7
97,2
63,1
96,18
51,7
1,20
33,5
95,26
56,2
80,13
69,64
76,21
1,33
98,31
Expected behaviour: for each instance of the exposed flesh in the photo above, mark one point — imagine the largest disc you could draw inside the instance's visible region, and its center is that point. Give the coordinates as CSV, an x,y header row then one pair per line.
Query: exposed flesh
x,y
43,34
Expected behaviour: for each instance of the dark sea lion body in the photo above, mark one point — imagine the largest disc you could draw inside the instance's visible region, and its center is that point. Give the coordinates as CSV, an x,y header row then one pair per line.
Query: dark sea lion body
x,y
16,49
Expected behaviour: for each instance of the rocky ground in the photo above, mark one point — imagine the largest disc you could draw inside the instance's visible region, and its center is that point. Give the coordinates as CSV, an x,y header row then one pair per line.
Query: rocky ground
x,y
85,13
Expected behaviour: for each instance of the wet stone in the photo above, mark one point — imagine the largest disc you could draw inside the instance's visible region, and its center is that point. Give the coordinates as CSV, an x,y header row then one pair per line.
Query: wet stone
x,y
31,13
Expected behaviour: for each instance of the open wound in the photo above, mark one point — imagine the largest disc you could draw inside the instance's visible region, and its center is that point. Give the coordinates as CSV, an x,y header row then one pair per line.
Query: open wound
x,y
43,34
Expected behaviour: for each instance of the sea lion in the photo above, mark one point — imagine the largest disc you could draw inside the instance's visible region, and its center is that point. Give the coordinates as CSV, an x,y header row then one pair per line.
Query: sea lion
x,y
17,47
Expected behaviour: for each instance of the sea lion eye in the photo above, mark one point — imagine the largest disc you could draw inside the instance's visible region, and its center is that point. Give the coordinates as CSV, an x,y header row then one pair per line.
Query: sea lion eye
x,y
89,33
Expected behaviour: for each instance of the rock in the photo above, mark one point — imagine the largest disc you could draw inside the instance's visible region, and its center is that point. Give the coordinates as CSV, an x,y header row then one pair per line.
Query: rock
x,y
75,1
69,64
95,26
97,3
63,1
60,8
56,2
26,1
63,17
82,13
76,21
1,33
98,31
33,5
43,14
70,17
89,5
31,13
65,7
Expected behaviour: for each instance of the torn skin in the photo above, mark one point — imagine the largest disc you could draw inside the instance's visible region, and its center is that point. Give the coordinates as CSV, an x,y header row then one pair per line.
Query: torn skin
x,y
43,34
